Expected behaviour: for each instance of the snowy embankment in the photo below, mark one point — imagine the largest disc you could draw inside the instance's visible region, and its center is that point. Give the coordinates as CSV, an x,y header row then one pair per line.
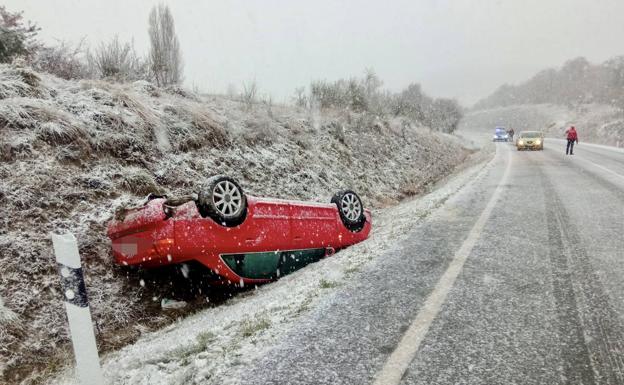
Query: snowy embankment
x,y
595,123
211,346
72,152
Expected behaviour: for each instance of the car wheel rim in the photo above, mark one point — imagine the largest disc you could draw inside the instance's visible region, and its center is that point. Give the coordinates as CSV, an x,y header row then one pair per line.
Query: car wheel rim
x,y
227,198
351,207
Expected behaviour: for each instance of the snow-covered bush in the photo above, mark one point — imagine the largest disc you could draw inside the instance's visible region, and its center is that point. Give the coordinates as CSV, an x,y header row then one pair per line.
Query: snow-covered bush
x,y
64,60
117,61
444,115
17,37
366,95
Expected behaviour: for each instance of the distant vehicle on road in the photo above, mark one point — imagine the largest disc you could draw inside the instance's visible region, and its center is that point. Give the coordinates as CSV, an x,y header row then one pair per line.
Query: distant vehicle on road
x,y
242,239
500,135
530,140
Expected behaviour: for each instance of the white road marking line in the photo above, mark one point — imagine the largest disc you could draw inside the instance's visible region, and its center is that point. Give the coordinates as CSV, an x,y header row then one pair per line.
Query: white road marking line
x,y
583,159
591,145
399,360
601,167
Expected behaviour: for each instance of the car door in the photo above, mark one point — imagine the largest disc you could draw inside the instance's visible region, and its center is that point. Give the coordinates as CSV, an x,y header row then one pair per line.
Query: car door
x,y
313,225
268,228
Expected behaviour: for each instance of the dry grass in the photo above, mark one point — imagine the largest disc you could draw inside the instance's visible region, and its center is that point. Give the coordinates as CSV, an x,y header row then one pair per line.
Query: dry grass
x,y
138,182
204,122
20,82
134,102
259,132
15,148
251,327
326,284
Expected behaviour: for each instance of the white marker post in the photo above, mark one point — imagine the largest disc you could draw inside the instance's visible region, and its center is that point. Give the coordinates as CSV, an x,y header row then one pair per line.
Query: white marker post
x,y
77,307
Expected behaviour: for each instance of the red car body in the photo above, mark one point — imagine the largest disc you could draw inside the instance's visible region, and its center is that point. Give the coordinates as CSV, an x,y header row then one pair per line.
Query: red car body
x,y
276,237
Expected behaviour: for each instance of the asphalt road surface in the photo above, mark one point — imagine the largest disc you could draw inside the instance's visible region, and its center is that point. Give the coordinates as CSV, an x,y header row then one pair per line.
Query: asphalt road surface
x,y
517,279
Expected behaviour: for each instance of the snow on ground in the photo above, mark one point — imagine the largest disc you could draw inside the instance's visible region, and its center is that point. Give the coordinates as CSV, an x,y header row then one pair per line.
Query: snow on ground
x,y
209,347
6,315
72,152
595,123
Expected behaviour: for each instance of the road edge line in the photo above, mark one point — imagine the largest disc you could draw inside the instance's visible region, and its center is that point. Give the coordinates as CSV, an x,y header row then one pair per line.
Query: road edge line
x,y
601,167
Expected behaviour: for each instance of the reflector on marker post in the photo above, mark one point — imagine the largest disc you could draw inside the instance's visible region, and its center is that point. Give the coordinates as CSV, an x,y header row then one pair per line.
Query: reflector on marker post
x,y
77,307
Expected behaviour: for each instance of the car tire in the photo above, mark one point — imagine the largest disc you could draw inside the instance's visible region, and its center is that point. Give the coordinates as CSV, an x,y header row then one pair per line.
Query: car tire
x,y
223,200
351,209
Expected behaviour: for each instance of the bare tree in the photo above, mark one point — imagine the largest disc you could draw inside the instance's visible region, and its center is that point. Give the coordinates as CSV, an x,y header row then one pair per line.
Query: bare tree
x,y
165,57
300,98
372,83
248,96
267,100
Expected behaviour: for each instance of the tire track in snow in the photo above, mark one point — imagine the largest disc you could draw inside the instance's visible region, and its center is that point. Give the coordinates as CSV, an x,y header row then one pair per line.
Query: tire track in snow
x,y
592,173
591,330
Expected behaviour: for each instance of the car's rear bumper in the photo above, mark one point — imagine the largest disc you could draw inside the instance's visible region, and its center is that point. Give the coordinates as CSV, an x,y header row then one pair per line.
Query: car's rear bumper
x,y
146,250
143,236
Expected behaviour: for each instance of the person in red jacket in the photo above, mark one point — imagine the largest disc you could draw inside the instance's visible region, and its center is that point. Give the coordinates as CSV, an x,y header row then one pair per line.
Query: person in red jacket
x,y
572,137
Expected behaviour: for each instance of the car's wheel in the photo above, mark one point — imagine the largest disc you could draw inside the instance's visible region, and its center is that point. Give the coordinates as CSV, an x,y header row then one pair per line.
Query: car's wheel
x,y
223,200
350,209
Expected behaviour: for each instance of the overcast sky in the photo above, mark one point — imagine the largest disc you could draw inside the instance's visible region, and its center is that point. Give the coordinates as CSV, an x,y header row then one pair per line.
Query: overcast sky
x,y
454,48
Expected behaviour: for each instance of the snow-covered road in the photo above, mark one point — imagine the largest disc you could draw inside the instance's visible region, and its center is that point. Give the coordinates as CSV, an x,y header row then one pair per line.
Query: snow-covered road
x,y
539,300
510,273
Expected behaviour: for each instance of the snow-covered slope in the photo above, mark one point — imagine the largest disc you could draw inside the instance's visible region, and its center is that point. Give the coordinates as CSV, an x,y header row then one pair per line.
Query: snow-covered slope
x,y
215,345
71,152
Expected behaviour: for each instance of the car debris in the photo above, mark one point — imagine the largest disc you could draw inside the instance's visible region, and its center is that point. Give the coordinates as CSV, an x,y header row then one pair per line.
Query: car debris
x,y
172,304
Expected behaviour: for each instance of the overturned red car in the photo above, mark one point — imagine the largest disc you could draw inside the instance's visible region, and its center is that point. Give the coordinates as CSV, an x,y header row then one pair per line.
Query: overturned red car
x,y
242,239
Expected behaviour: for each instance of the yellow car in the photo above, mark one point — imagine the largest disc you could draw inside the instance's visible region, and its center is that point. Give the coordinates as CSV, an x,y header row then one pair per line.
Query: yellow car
x,y
530,140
